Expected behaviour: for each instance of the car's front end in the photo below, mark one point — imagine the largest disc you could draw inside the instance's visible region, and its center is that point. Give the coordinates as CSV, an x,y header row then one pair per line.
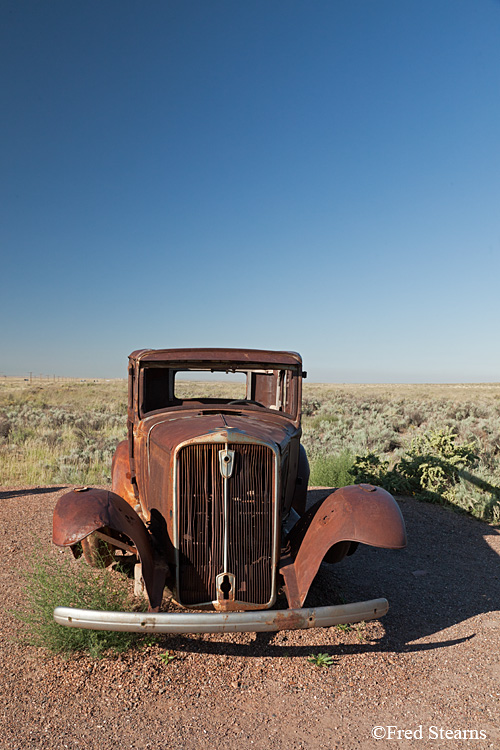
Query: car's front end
x,y
203,493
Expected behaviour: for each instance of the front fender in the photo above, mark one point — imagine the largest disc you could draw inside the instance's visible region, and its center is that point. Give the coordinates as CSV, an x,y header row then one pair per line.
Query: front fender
x,y
78,514
299,501
358,513
121,476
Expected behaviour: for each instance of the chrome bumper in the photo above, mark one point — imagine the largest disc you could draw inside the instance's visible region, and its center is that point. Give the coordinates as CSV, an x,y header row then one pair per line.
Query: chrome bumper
x,y
221,622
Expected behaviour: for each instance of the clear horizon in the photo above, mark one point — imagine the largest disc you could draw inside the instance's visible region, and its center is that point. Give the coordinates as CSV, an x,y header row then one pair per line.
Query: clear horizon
x,y
317,177
42,377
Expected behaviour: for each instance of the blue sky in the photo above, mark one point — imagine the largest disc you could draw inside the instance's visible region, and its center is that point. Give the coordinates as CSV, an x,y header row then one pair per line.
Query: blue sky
x,y
317,176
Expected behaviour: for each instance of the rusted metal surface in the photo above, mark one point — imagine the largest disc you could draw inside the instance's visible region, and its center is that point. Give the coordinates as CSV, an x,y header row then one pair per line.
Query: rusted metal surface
x,y
157,471
213,481
167,433
229,357
359,513
299,480
122,475
219,520
78,514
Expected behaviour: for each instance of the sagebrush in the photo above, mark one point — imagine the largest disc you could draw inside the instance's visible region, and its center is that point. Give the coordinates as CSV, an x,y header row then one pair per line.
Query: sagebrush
x,y
436,450
67,432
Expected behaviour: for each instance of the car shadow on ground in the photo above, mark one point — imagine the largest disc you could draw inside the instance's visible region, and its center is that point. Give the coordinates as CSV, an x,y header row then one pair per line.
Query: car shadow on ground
x,y
6,494
448,573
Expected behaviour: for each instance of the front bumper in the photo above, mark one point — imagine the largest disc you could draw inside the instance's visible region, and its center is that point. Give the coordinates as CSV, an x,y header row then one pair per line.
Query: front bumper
x,y
221,622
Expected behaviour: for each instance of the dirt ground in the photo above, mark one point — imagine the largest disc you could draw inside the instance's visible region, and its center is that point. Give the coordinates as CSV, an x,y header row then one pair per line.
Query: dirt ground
x,y
430,668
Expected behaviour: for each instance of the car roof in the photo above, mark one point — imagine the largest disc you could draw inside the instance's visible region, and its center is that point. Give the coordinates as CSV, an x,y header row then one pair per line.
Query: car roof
x,y
217,356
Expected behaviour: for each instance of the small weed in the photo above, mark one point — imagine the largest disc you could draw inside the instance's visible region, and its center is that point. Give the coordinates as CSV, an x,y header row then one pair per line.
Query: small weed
x,y
359,631
344,627
149,640
320,660
167,657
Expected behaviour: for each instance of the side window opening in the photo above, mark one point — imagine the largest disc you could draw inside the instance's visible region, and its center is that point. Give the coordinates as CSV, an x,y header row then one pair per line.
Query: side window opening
x,y
273,389
131,380
157,390
263,387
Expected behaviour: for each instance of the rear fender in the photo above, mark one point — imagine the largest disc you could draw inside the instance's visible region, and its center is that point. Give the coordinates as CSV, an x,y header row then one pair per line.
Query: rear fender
x,y
78,514
358,513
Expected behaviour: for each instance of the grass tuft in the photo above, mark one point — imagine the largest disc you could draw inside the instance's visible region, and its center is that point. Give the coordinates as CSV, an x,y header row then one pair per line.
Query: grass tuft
x,y
58,581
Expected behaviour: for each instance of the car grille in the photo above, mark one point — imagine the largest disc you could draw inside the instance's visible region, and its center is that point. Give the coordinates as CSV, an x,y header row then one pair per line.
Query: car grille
x,y
200,505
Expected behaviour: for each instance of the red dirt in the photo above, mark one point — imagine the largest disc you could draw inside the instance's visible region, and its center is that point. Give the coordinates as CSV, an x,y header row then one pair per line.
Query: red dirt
x,y
433,661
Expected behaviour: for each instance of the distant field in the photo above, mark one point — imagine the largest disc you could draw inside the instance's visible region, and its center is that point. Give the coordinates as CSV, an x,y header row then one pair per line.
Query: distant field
x,y
65,432
431,391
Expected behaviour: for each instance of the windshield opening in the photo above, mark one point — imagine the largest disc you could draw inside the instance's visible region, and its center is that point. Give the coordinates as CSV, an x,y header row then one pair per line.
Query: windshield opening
x,y
201,384
166,387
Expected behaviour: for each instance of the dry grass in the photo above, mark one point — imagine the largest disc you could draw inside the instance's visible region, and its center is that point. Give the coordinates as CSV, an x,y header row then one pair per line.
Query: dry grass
x,y
67,432
426,391
60,432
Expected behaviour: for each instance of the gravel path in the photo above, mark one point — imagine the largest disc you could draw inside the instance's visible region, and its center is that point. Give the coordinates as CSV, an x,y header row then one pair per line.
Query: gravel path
x,y
433,661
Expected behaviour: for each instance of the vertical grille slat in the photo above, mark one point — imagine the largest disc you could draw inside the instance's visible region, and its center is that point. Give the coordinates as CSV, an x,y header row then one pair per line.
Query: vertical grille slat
x,y
200,498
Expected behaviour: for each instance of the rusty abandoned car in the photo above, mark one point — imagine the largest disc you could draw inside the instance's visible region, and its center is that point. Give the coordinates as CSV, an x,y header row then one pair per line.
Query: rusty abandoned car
x,y
209,494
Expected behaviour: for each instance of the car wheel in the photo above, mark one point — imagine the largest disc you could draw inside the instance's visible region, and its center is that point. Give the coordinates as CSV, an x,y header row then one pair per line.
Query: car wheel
x,y
97,552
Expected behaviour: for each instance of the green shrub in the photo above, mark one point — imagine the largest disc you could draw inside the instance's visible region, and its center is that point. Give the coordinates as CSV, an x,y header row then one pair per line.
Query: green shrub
x,y
332,471
310,406
435,467
5,426
374,470
58,581
432,464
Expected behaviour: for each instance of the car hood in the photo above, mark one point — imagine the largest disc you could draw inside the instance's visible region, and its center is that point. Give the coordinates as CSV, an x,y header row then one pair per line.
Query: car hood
x,y
167,431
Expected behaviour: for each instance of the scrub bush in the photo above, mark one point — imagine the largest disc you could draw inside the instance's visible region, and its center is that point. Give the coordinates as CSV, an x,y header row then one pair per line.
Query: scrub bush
x,y
431,469
51,582
332,471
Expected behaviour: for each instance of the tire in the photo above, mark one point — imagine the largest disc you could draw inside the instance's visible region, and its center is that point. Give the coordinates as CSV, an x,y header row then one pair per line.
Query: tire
x,y
97,552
